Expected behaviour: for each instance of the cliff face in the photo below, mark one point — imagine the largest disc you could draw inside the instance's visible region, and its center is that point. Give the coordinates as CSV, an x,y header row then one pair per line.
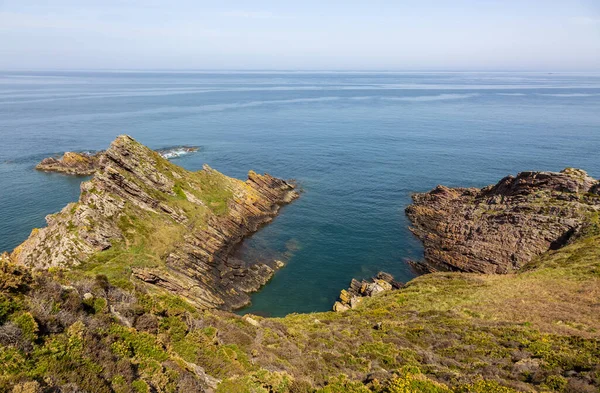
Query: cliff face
x,y
499,228
144,217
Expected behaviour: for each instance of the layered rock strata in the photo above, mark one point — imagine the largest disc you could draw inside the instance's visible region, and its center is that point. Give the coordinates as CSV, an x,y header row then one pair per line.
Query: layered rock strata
x,y
351,297
144,219
78,164
500,228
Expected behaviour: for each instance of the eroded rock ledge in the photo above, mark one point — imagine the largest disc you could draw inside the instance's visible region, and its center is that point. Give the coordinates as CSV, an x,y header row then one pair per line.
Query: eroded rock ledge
x,y
351,297
499,228
144,219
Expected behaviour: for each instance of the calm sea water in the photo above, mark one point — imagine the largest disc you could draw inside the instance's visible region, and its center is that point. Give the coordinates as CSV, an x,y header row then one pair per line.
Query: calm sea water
x,y
357,143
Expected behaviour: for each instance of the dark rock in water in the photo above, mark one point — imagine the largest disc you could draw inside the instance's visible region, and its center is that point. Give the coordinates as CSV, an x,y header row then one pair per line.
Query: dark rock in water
x,y
500,228
351,297
79,164
86,164
152,222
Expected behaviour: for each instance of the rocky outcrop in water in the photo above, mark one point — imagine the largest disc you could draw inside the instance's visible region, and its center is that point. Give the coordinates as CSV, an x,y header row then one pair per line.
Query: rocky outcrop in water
x,y
144,219
86,164
499,228
351,297
78,164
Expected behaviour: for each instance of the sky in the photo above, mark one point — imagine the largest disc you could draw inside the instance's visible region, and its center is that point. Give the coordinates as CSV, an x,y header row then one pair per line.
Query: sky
x,y
409,35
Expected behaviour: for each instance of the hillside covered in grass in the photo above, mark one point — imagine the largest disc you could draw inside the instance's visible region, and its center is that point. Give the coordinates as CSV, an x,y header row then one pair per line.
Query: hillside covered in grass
x,y
537,330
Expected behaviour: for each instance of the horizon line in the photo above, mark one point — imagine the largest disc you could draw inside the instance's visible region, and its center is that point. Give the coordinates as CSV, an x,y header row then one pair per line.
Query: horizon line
x,y
286,70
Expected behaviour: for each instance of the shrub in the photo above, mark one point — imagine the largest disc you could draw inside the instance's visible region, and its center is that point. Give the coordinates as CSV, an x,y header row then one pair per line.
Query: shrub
x,y
556,383
341,384
28,326
13,278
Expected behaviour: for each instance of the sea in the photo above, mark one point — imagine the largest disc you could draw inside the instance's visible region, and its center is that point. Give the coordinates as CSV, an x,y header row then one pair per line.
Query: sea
x,y
358,144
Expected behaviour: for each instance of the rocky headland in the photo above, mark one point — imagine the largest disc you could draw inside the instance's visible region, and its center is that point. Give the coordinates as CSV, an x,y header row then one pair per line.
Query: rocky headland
x,y
86,163
142,219
500,228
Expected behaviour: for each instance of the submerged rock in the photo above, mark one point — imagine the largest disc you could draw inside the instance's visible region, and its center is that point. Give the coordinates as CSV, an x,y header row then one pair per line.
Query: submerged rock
x,y
351,297
145,219
499,228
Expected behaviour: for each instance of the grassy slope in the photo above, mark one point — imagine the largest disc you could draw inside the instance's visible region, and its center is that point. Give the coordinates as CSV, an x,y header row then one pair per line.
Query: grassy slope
x,y
456,327
537,330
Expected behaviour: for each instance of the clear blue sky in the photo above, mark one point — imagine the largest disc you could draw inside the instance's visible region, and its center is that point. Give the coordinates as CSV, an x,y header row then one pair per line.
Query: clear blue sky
x,y
308,34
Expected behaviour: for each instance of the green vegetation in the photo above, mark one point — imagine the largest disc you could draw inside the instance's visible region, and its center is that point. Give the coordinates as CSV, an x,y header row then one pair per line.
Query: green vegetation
x,y
444,332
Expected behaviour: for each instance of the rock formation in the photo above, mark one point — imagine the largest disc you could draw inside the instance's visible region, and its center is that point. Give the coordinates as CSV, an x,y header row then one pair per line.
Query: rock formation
x,y
498,229
79,164
351,297
86,164
148,220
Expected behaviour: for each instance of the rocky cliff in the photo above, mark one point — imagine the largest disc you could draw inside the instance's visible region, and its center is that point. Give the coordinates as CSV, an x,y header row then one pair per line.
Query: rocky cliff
x,y
144,219
499,228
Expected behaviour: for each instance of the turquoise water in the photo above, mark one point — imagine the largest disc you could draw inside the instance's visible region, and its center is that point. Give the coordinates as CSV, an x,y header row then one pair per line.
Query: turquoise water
x,y
358,144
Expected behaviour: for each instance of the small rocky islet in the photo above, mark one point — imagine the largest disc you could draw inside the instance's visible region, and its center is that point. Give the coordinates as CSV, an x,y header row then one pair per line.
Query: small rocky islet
x,y
130,290
87,163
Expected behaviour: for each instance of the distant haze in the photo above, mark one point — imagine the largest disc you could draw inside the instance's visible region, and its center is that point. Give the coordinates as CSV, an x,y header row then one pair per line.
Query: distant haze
x,y
301,35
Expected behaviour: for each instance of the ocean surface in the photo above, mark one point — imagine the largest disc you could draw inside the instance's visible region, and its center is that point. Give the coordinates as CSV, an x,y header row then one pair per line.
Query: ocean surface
x,y
358,144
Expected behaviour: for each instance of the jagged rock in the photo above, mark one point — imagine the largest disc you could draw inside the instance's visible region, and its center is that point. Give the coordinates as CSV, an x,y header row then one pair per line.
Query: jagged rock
x,y
351,297
80,164
498,229
172,229
339,307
